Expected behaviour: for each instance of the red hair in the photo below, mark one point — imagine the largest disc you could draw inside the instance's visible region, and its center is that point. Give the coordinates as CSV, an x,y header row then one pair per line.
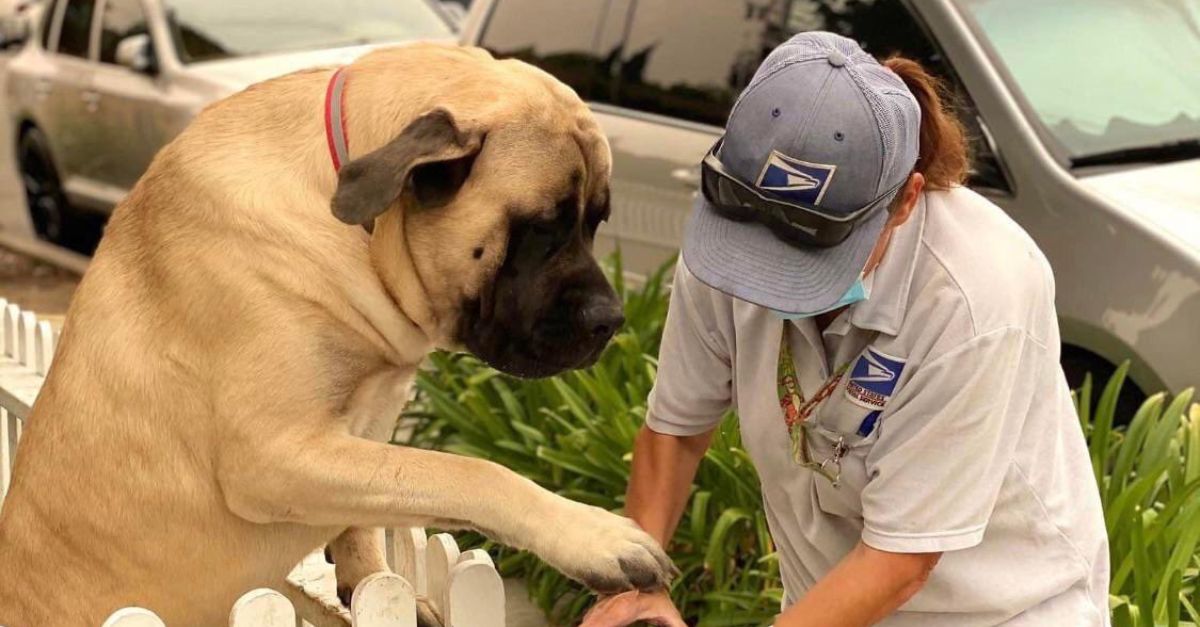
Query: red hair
x,y
943,159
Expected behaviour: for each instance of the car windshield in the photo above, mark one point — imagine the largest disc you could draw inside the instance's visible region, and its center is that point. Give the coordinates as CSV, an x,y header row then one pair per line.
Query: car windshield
x,y
205,30
1106,77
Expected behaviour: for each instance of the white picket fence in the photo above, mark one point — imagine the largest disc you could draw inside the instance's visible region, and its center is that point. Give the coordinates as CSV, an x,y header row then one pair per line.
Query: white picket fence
x,y
463,587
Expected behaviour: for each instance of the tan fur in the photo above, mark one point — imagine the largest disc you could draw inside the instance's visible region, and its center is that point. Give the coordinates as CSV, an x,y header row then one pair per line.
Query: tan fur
x,y
234,356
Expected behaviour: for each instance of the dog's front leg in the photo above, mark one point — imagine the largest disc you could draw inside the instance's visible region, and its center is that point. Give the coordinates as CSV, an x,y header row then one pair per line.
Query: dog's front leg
x,y
357,553
338,480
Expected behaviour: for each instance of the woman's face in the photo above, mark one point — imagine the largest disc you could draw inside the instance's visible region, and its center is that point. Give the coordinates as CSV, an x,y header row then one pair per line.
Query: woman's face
x,y
898,214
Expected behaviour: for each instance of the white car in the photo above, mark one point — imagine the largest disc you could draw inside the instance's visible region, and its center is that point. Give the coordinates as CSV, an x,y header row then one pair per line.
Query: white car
x,y
101,85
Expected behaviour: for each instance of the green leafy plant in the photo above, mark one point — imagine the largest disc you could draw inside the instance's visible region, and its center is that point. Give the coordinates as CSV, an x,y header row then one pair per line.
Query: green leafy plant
x,y
573,434
1149,479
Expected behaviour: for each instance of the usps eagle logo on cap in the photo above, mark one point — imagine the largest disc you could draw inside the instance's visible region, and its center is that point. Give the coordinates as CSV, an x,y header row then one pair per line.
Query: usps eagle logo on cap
x,y
873,379
792,179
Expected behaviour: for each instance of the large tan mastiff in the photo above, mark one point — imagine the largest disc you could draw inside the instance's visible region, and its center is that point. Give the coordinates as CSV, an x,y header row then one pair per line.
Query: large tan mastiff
x,y
237,354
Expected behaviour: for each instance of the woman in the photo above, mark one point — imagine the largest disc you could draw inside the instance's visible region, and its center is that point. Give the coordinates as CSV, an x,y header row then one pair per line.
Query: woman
x,y
890,343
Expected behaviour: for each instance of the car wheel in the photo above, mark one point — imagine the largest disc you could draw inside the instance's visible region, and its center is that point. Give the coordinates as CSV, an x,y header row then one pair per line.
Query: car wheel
x,y
1078,362
53,218
43,192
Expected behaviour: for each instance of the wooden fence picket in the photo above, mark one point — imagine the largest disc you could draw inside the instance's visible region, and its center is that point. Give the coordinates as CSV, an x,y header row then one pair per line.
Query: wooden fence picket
x,y
26,329
133,617
440,556
262,608
407,556
475,597
43,347
11,314
9,426
3,327
384,600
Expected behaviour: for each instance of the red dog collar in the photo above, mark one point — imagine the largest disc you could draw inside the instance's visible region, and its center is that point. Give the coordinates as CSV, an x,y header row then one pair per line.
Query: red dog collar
x,y
335,131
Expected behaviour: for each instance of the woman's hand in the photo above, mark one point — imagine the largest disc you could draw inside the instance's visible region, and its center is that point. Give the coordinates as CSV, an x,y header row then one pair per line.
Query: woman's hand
x,y
627,608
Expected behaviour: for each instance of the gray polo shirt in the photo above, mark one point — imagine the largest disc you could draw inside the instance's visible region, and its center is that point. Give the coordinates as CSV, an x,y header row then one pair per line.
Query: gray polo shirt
x,y
962,435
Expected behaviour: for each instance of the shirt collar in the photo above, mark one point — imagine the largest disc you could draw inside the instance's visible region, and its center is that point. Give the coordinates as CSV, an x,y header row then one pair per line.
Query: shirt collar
x,y
884,310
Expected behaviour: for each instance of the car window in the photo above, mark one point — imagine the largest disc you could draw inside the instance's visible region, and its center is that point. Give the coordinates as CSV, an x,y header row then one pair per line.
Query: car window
x,y
575,41
690,60
207,30
76,28
1118,100
120,19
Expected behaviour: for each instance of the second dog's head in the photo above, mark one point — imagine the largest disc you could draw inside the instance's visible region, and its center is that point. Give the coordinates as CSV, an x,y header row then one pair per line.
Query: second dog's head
x,y
485,199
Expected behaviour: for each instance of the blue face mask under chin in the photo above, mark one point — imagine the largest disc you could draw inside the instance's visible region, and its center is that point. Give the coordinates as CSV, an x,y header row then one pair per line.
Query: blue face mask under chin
x,y
857,292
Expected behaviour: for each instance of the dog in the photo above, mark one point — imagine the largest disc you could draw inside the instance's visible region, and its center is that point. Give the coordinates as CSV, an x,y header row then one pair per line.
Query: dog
x,y
234,360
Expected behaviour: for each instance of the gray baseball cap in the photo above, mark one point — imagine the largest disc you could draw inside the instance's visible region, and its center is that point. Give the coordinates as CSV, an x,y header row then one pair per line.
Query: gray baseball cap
x,y
822,124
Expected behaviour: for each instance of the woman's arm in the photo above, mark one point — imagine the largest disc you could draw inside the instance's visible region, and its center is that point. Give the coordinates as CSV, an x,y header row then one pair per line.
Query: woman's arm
x,y
663,469
863,589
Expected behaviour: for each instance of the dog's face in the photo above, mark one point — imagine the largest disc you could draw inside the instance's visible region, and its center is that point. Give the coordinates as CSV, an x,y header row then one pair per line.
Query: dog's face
x,y
495,227
547,307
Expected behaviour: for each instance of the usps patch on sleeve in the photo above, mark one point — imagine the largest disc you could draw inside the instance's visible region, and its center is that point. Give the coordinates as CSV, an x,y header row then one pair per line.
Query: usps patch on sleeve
x,y
795,180
873,379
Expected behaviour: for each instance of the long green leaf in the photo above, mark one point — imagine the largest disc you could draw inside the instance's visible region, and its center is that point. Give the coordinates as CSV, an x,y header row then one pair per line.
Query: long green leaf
x,y
1146,416
1103,421
1142,571
716,555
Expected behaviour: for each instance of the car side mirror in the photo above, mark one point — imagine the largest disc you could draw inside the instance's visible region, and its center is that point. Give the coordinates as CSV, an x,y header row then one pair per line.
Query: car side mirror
x,y
136,52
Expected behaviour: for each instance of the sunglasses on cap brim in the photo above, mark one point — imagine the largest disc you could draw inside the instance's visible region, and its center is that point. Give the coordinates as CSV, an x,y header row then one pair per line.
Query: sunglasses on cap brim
x,y
799,224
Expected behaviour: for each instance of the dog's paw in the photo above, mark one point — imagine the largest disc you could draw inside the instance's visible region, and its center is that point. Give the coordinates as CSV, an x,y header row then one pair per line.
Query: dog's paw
x,y
607,553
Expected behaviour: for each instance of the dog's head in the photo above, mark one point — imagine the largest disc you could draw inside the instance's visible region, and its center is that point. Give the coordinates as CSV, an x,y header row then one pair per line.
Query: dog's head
x,y
484,220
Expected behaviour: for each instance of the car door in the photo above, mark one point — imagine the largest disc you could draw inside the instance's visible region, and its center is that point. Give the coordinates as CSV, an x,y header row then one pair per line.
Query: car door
x,y
126,101
68,120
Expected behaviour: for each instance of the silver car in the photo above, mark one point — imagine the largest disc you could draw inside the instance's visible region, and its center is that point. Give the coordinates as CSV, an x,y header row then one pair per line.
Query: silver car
x,y
1084,115
101,85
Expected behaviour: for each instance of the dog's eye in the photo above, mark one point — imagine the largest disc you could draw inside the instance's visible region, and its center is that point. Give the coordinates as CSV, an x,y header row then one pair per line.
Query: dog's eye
x,y
544,240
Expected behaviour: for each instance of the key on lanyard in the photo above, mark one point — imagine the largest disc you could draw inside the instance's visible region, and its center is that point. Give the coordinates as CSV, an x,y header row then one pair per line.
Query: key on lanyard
x,y
839,451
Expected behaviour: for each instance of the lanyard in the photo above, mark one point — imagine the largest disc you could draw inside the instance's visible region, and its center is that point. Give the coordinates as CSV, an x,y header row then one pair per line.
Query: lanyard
x,y
797,411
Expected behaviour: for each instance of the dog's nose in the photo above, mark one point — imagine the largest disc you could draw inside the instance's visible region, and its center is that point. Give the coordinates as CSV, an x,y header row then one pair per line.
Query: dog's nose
x,y
602,317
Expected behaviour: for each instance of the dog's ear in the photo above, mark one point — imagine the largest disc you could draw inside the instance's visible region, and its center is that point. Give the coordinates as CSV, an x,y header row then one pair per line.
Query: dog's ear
x,y
430,159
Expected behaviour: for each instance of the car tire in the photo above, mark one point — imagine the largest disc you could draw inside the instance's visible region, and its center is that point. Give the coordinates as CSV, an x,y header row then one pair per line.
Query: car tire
x,y
1078,362
53,218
